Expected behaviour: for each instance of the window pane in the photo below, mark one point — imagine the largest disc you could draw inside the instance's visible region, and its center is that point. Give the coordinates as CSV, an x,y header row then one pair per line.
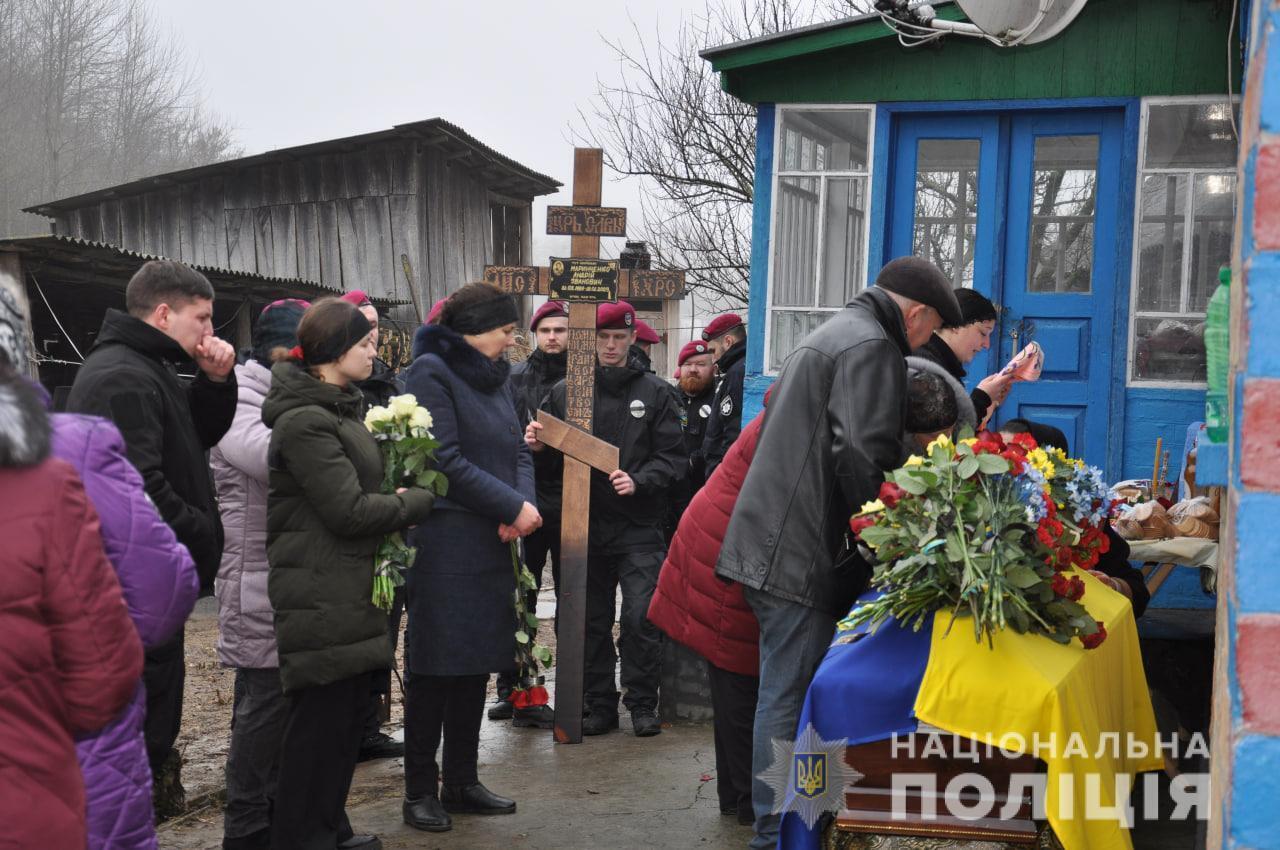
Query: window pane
x,y
1063,207
844,227
1190,135
946,205
789,327
1214,215
1169,349
795,239
1160,235
825,140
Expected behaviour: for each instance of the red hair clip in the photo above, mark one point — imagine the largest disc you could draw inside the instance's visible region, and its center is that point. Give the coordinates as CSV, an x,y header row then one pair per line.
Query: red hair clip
x,y
295,353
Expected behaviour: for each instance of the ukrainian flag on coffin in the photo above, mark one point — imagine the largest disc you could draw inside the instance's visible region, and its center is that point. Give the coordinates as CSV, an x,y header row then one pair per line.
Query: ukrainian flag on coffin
x,y
873,686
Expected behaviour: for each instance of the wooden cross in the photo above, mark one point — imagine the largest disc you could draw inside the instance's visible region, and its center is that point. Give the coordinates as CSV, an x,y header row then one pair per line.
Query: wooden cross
x,y
584,280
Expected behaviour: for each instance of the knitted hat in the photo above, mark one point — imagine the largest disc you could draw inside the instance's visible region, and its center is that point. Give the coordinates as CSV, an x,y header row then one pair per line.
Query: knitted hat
x,y
646,334
618,316
277,327
692,348
550,310
721,325
920,280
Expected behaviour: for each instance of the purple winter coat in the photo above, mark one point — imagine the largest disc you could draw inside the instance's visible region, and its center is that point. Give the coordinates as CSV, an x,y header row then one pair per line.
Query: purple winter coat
x,y
246,622
159,582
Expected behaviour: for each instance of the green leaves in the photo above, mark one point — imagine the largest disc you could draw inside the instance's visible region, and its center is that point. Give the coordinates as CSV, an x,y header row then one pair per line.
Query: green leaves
x,y
967,466
522,636
992,464
1021,576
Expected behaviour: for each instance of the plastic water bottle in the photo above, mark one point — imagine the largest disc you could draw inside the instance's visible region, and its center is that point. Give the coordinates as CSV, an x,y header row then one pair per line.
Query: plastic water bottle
x,y
1217,346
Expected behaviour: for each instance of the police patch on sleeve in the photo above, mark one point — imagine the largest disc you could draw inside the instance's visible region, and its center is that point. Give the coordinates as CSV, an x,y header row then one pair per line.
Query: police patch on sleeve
x,y
726,406
637,408
704,411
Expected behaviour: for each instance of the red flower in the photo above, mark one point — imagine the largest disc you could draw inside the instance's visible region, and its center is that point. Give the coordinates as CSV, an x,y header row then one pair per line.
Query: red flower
x,y
1026,441
1095,640
1064,557
1016,460
891,493
1061,584
992,437
1104,543
1045,538
860,522
1076,589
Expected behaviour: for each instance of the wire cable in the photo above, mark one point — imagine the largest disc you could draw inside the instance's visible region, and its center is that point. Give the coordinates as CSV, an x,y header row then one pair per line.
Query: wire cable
x,y
56,320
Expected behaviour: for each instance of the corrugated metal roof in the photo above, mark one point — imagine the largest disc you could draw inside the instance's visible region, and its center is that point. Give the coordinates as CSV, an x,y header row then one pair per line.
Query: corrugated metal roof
x,y
433,131
52,248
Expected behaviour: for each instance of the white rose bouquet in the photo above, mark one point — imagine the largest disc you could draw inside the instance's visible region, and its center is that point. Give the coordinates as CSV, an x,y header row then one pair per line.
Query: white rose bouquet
x,y
403,432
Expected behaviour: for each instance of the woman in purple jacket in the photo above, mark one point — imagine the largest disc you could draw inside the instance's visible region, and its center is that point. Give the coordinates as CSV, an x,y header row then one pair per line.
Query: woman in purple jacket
x,y
159,582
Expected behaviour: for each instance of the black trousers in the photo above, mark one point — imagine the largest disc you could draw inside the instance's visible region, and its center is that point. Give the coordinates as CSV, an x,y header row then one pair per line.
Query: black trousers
x,y
441,706
164,673
382,680
318,751
639,641
545,541
733,699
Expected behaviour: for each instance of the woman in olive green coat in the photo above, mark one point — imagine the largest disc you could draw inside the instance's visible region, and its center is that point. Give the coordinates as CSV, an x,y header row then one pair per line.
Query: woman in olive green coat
x,y
325,517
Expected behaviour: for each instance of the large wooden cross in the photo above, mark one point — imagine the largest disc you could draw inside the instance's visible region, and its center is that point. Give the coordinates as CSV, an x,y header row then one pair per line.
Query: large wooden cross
x,y
584,280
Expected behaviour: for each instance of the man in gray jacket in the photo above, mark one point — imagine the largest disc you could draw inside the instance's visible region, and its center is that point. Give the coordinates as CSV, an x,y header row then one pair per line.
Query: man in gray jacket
x,y
834,427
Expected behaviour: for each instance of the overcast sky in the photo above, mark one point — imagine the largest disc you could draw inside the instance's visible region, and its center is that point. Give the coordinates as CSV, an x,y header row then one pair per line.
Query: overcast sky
x,y
512,74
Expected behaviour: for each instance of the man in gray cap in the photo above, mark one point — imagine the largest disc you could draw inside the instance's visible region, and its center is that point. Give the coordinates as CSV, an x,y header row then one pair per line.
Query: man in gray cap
x,y
834,426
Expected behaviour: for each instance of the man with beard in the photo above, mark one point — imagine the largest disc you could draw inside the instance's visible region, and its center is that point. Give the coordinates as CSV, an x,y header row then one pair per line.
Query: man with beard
x,y
530,383
726,339
635,411
696,381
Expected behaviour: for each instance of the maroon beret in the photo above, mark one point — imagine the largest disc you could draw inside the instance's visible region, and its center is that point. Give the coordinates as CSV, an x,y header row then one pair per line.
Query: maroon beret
x,y
721,325
357,298
550,310
644,333
436,309
692,348
618,316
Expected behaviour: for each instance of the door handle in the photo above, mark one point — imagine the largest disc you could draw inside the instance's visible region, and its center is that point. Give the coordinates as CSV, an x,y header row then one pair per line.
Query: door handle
x,y
1024,329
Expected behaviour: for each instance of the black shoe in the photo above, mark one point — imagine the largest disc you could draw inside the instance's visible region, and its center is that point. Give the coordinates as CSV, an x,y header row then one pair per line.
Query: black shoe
x,y
380,745
501,710
427,814
535,716
645,723
260,840
474,800
600,721
361,842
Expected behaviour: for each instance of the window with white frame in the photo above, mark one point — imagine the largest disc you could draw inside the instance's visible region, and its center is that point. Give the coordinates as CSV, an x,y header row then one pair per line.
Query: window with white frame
x,y
820,205
1184,222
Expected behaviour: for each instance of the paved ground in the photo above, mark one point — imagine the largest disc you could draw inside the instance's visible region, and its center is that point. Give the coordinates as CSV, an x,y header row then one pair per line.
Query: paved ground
x,y
615,791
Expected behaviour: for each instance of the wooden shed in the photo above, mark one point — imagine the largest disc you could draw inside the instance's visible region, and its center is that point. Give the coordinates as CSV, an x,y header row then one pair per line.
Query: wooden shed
x,y
406,214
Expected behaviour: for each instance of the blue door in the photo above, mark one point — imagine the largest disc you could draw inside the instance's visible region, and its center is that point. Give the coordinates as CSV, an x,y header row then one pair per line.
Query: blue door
x,y
1022,206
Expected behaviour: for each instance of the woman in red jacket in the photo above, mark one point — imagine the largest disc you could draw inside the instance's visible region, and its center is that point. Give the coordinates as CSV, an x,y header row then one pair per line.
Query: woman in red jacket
x,y
709,615
70,658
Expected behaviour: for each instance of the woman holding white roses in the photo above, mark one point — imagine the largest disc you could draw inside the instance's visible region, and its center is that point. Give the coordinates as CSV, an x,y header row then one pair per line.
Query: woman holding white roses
x,y
325,519
461,589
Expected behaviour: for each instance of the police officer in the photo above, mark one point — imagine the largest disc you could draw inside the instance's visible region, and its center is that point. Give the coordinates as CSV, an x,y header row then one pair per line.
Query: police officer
x,y
642,348
726,336
531,381
695,379
637,412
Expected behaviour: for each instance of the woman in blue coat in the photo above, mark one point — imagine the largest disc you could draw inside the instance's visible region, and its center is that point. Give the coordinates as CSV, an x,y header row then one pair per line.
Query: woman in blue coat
x,y
460,589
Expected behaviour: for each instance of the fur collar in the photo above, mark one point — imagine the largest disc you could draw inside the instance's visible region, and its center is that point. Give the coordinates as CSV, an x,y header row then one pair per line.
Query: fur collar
x,y
468,364
24,423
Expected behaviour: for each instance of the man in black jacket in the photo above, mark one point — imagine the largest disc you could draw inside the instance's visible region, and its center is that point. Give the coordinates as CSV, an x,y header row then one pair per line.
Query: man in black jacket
x,y
696,382
834,427
530,382
635,411
726,337
131,378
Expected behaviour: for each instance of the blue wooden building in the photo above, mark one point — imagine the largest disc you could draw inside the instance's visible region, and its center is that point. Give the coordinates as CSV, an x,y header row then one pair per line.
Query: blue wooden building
x,y
1086,184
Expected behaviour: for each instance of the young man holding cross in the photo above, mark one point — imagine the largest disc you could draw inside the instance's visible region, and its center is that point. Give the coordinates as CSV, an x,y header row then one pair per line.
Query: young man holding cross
x,y
635,411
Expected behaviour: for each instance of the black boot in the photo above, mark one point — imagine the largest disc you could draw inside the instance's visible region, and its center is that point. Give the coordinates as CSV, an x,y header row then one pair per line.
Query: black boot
x,y
260,840
600,721
502,709
361,842
380,745
645,723
535,716
474,800
427,814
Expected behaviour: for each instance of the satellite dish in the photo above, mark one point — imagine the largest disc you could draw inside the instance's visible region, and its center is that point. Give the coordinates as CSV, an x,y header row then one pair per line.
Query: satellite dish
x,y
1009,20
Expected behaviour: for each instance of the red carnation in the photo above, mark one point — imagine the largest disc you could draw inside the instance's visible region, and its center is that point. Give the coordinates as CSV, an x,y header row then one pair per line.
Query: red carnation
x,y
1075,589
1027,441
891,493
860,522
1095,640
1064,557
1016,461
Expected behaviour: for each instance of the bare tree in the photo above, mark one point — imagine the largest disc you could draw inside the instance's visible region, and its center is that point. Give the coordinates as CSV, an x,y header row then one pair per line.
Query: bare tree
x,y
92,93
666,119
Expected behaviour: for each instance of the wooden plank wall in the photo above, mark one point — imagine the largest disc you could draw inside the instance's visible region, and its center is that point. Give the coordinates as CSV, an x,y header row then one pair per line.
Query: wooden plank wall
x,y
342,219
